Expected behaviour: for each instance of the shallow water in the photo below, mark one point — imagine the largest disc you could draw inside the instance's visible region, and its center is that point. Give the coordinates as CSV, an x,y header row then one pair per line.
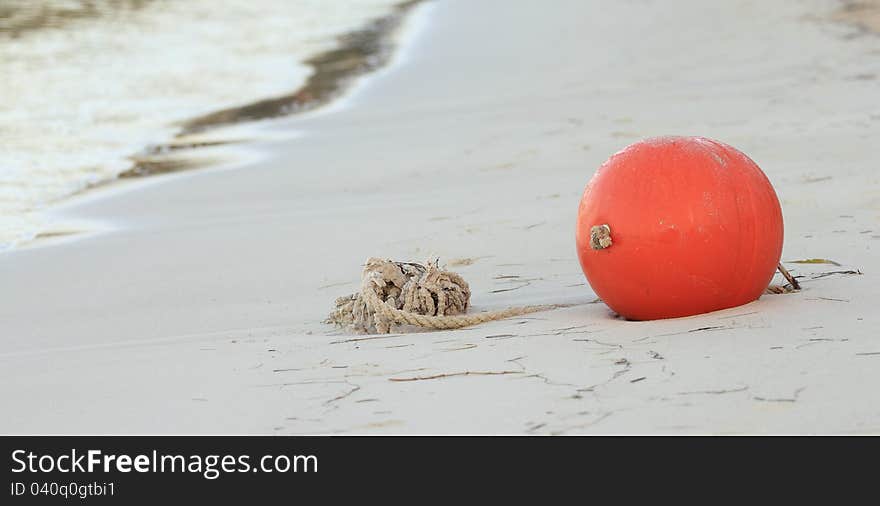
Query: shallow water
x,y
89,84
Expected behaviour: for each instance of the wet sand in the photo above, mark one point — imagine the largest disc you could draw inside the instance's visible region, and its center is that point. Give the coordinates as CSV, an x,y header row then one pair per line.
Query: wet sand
x,y
199,309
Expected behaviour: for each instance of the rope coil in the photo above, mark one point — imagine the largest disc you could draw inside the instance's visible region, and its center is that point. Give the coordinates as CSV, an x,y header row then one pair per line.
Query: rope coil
x,y
423,295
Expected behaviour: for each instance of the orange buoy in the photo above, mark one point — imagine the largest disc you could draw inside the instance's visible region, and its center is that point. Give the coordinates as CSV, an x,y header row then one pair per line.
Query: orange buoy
x,y
677,226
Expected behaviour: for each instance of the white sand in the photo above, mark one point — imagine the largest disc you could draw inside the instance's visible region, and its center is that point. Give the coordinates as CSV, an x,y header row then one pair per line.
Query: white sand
x,y
200,310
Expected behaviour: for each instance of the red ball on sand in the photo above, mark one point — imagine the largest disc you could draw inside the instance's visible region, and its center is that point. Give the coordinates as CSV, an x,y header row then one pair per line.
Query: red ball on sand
x,y
677,226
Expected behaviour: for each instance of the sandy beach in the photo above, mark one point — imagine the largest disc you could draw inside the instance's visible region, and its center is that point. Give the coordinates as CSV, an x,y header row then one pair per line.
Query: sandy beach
x,y
194,302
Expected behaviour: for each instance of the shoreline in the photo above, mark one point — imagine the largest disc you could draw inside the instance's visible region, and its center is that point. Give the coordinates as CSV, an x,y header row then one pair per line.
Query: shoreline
x,y
357,54
202,312
199,141
224,145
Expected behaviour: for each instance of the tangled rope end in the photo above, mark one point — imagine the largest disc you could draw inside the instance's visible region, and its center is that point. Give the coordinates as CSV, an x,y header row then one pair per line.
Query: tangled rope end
x,y
406,293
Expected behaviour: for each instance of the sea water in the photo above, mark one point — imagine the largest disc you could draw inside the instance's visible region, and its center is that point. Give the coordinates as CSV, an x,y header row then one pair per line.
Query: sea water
x,y
87,84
